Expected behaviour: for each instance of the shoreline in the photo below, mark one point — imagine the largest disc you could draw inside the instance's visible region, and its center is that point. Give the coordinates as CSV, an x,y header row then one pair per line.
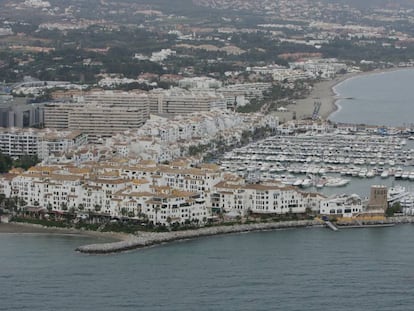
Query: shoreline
x,y
148,239
28,228
119,242
323,91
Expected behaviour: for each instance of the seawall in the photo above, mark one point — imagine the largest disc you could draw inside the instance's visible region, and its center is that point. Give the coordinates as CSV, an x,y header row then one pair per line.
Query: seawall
x,y
146,239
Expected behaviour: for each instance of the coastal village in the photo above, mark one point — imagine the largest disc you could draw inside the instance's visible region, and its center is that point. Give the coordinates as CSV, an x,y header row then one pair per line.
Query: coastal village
x,y
185,157
138,177
206,154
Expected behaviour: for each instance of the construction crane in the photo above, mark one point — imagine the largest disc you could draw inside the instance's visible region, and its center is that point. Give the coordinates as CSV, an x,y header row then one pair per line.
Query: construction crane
x,y
316,108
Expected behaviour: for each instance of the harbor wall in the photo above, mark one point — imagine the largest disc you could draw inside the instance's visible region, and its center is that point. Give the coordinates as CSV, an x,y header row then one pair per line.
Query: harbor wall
x,y
146,239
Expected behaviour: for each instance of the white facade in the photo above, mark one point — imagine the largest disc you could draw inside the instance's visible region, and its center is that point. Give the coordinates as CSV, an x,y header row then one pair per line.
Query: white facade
x,y
180,101
117,191
42,143
343,206
243,198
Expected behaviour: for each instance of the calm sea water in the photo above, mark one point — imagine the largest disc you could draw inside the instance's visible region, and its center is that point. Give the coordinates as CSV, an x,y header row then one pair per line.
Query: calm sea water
x,y
298,269
377,99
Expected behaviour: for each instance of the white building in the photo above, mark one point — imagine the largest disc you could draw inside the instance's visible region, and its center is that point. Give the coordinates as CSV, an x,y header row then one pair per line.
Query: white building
x,y
240,198
100,114
179,101
342,206
199,83
42,143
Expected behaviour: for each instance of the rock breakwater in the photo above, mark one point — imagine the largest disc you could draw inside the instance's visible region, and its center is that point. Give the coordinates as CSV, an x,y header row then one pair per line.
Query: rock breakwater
x,y
146,239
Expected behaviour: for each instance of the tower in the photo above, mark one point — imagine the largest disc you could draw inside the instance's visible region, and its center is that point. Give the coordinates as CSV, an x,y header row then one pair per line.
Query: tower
x,y
378,199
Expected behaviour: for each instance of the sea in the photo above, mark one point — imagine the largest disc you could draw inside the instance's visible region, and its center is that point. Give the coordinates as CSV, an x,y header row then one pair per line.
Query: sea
x,y
384,98
311,269
370,269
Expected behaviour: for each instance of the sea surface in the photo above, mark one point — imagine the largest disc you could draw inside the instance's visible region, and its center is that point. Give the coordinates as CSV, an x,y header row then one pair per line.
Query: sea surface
x,y
369,269
377,99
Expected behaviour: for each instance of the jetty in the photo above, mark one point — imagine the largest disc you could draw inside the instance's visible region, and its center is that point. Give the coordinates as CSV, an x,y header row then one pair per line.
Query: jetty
x,y
330,225
146,239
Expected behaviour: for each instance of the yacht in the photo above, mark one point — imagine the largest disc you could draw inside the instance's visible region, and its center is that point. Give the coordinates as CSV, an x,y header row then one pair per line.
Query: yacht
x,y
336,182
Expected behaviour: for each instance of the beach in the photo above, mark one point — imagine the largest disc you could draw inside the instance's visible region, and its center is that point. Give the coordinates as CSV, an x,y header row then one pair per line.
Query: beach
x,y
26,228
322,92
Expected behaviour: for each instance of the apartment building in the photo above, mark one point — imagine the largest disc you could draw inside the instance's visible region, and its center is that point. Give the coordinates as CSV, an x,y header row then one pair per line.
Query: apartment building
x,y
56,115
100,114
240,198
179,101
17,142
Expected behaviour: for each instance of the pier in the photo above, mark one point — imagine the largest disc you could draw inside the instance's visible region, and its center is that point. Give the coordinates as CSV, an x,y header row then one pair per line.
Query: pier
x,y
330,225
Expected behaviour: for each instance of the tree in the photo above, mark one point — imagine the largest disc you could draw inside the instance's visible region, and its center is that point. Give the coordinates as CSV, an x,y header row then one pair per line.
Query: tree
x,y
26,161
64,206
124,211
72,211
395,208
5,163
97,207
10,203
2,199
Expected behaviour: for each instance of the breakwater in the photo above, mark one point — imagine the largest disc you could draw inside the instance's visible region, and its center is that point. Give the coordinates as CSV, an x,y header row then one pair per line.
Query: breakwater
x,y
146,239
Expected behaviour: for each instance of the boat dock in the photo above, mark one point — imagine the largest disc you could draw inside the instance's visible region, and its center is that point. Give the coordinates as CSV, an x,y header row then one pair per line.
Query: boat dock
x,y
330,225
318,155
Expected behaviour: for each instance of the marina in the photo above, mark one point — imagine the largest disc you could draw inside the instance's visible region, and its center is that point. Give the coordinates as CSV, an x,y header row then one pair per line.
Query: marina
x,y
323,160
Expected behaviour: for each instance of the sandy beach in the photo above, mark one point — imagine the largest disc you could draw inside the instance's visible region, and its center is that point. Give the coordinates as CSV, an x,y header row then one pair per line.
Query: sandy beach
x,y
26,228
323,93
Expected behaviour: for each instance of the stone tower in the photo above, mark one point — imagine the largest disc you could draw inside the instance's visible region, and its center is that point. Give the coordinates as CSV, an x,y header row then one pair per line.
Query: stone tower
x,y
378,199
